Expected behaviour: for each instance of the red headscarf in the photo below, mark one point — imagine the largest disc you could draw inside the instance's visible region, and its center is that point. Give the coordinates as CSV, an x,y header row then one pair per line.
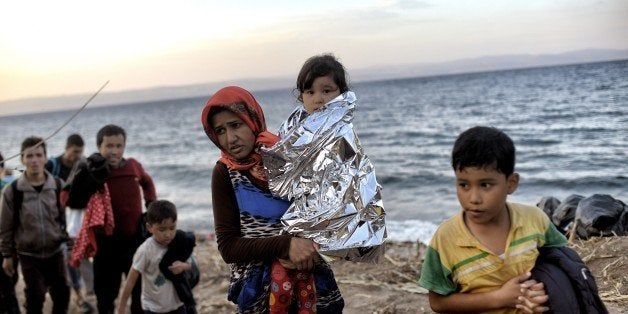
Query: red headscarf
x,y
243,104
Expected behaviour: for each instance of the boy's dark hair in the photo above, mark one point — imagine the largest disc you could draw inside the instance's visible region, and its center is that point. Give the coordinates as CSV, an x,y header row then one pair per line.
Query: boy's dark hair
x,y
484,147
32,141
109,130
1,161
74,140
321,65
159,211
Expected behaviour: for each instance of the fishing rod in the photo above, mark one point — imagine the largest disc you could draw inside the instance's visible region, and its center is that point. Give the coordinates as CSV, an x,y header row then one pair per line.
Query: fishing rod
x,y
63,125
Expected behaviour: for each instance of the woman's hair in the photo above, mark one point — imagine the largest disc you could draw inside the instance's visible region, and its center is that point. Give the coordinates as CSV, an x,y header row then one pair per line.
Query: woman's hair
x,y
159,211
317,66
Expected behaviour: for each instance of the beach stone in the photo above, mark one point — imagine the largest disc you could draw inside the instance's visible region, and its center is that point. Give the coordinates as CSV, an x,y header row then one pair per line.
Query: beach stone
x,y
601,215
548,204
565,213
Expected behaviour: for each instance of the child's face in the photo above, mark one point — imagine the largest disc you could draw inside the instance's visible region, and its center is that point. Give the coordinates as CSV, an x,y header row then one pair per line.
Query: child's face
x,y
322,91
482,194
34,158
164,231
112,148
233,134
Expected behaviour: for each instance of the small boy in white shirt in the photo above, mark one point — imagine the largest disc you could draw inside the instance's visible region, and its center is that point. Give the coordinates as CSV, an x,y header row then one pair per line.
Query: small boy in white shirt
x,y
158,293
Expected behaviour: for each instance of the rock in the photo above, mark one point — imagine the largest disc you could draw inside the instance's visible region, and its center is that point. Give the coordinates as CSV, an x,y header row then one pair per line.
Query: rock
x,y
565,213
548,204
599,215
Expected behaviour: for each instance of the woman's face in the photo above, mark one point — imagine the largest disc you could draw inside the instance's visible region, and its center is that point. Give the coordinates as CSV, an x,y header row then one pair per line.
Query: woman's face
x,y
233,134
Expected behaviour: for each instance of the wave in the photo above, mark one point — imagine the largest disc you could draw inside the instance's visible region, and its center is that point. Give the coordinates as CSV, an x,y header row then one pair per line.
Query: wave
x,y
411,230
579,183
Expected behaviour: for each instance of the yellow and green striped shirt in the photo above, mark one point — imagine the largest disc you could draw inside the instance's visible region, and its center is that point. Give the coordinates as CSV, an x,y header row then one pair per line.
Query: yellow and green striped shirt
x,y
456,262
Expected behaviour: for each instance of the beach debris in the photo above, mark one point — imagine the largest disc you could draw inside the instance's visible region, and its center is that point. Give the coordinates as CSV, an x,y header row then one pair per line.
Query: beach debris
x,y
563,216
548,204
601,215
583,217
608,260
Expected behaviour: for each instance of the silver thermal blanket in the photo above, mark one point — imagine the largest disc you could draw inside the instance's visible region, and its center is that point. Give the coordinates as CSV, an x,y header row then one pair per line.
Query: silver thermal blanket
x,y
320,166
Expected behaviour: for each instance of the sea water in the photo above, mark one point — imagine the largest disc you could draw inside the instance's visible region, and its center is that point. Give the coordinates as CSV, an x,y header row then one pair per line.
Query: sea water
x,y
569,124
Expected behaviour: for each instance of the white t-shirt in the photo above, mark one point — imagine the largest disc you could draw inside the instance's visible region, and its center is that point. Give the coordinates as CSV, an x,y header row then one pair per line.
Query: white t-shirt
x,y
158,293
74,219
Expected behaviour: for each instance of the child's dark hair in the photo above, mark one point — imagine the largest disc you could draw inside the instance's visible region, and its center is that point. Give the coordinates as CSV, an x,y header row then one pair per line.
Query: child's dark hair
x,y
32,141
74,140
321,65
109,130
484,147
159,211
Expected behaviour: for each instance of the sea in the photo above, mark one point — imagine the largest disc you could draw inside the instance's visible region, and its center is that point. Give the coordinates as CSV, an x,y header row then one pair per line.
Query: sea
x,y
569,124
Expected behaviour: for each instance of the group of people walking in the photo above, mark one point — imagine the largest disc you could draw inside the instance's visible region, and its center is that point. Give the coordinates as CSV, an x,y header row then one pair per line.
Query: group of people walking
x,y
36,232
478,261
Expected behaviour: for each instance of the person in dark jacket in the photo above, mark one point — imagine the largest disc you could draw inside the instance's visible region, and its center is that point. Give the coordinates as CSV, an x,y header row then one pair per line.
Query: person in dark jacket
x,y
127,183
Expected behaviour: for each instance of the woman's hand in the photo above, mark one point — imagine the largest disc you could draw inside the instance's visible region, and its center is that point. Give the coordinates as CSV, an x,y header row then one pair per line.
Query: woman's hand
x,y
286,263
303,253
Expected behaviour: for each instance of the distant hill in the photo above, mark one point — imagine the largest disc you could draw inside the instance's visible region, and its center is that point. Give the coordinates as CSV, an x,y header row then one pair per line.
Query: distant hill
x,y
379,72
488,63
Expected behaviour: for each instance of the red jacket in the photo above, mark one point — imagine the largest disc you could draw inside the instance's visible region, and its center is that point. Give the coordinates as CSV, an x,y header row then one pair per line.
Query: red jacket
x,y
98,218
126,196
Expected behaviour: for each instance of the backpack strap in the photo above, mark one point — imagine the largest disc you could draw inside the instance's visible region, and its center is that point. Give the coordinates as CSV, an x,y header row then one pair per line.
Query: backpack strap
x,y
18,198
56,167
61,217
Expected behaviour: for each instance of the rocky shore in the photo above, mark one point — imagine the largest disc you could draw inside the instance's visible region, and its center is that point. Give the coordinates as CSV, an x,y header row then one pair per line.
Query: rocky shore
x,y
391,285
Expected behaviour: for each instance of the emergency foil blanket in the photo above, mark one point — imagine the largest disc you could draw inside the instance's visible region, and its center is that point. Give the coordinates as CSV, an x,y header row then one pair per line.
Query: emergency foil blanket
x,y
319,165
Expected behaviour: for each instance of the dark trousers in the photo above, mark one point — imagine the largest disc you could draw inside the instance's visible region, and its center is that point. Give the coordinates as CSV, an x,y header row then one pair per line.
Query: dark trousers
x,y
113,258
43,275
180,310
8,301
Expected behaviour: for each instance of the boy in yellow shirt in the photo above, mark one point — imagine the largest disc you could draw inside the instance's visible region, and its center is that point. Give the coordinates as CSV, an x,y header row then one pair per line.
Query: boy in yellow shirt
x,y
480,259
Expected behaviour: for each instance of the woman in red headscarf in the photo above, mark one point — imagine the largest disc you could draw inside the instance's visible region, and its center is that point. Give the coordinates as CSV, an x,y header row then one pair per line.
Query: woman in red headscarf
x,y
247,217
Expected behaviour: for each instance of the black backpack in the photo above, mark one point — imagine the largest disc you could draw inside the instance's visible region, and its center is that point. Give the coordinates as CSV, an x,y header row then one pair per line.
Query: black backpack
x,y
18,198
567,278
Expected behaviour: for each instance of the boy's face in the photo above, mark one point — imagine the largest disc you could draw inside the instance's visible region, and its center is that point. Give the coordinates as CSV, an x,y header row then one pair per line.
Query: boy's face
x,y
322,91
34,158
482,193
112,148
73,153
164,231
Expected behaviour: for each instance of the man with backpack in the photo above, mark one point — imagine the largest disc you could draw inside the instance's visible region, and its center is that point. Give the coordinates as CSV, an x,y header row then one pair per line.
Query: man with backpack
x,y
65,164
32,225
65,167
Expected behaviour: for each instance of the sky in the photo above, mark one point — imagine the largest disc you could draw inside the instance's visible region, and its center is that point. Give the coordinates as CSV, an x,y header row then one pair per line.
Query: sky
x,y
52,48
